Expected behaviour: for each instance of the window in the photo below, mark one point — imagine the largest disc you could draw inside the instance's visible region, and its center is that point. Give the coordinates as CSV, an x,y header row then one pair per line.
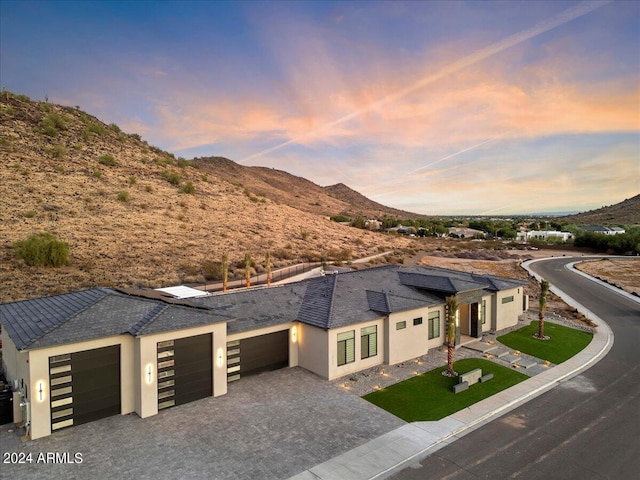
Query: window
x,y
507,299
483,312
417,321
434,325
401,325
369,342
346,347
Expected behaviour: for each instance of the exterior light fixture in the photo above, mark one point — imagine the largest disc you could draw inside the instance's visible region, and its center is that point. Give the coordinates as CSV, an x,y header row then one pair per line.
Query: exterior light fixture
x,y
219,360
40,389
149,373
294,334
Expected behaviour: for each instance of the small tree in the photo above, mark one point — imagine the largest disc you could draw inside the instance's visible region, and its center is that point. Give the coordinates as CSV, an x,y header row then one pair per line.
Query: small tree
x,y
451,314
544,289
247,269
225,272
43,250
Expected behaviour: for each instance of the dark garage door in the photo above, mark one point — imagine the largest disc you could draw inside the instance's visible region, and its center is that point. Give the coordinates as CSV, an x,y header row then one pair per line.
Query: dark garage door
x,y
85,386
250,356
185,370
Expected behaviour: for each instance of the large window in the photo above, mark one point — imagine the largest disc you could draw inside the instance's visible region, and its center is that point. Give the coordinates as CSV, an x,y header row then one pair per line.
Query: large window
x,y
434,325
369,342
346,347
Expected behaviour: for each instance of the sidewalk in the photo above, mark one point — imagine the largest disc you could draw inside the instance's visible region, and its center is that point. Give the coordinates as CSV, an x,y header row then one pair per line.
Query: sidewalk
x,y
399,448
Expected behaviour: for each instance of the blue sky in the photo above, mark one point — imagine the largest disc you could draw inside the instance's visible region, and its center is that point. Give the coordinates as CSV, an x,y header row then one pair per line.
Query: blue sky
x,y
434,107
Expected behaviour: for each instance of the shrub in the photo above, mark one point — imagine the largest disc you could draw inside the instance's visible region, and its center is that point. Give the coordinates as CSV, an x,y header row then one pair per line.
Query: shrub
x,y
52,124
57,151
304,234
42,250
132,180
97,128
212,271
123,196
173,178
187,188
30,214
107,160
97,173
115,128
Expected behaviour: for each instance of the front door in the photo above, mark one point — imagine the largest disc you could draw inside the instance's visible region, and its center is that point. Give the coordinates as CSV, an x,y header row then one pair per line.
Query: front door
x,y
476,329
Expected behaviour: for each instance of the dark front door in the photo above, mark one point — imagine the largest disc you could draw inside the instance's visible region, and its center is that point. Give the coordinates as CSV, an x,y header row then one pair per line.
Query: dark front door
x,y
476,328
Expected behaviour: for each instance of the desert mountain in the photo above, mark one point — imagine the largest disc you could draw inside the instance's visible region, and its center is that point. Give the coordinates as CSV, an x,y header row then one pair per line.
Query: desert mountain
x,y
626,212
134,215
298,192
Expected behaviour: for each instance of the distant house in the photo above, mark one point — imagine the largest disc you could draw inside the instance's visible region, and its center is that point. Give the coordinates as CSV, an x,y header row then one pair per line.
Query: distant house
x,y
461,232
603,230
86,355
543,235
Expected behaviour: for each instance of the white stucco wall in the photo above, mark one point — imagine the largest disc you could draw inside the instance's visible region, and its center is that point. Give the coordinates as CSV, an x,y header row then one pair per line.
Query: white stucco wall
x,y
335,371
411,341
507,313
39,372
313,349
486,326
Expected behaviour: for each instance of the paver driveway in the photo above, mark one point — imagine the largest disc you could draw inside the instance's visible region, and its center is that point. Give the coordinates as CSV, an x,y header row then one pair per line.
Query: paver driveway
x,y
270,426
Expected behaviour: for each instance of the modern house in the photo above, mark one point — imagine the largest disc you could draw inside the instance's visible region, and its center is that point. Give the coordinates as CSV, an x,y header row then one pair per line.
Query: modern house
x,y
81,356
603,230
544,235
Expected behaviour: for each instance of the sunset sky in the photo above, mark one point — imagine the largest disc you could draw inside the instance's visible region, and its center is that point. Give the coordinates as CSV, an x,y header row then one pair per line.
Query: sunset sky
x,y
433,107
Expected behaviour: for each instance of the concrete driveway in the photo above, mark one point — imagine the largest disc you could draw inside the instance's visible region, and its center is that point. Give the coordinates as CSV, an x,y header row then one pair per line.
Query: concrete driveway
x,y
270,426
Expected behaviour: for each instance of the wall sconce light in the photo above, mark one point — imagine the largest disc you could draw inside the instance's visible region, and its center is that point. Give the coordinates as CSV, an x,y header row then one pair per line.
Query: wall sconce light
x,y
220,358
40,390
149,373
294,334
457,318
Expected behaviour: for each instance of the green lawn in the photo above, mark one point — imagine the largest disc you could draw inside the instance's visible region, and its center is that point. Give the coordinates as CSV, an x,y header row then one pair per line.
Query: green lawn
x,y
429,396
565,342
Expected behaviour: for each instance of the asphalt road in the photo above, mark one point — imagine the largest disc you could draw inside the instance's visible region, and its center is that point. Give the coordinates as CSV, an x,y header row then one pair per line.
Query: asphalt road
x,y
585,428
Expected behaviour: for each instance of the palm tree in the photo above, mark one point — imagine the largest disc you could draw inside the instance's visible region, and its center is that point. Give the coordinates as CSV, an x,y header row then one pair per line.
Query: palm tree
x,y
225,271
451,313
544,289
247,268
268,268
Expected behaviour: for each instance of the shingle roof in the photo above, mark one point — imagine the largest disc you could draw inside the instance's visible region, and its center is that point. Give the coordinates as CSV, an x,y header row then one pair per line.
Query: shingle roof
x,y
439,283
91,314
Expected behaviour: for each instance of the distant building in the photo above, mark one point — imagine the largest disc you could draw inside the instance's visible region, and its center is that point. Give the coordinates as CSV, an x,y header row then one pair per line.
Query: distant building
x,y
544,235
461,232
603,230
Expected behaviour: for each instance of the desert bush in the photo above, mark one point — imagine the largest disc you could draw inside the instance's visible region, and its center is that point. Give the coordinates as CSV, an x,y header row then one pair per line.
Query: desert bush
x,y
42,250
212,271
30,214
173,178
123,196
304,234
97,173
187,188
57,151
132,180
114,128
107,160
52,124
95,127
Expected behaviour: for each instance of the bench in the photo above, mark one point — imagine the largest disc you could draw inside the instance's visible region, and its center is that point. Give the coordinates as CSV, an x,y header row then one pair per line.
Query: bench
x,y
460,387
486,378
471,377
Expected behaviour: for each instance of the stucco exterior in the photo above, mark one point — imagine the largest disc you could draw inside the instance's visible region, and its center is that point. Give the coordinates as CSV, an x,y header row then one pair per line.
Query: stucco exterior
x,y
335,370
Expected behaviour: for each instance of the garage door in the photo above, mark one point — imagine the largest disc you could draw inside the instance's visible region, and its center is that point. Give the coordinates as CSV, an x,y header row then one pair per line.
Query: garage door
x,y
85,386
185,370
257,354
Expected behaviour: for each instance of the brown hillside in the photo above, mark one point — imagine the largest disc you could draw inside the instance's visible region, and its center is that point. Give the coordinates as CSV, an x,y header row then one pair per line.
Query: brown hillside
x,y
57,178
361,205
626,212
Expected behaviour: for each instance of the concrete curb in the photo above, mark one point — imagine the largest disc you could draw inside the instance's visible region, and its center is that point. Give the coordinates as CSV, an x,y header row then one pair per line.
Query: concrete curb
x,y
394,451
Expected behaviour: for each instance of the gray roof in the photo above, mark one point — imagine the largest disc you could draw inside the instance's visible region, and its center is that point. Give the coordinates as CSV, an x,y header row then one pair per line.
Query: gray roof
x,y
257,307
92,314
326,302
